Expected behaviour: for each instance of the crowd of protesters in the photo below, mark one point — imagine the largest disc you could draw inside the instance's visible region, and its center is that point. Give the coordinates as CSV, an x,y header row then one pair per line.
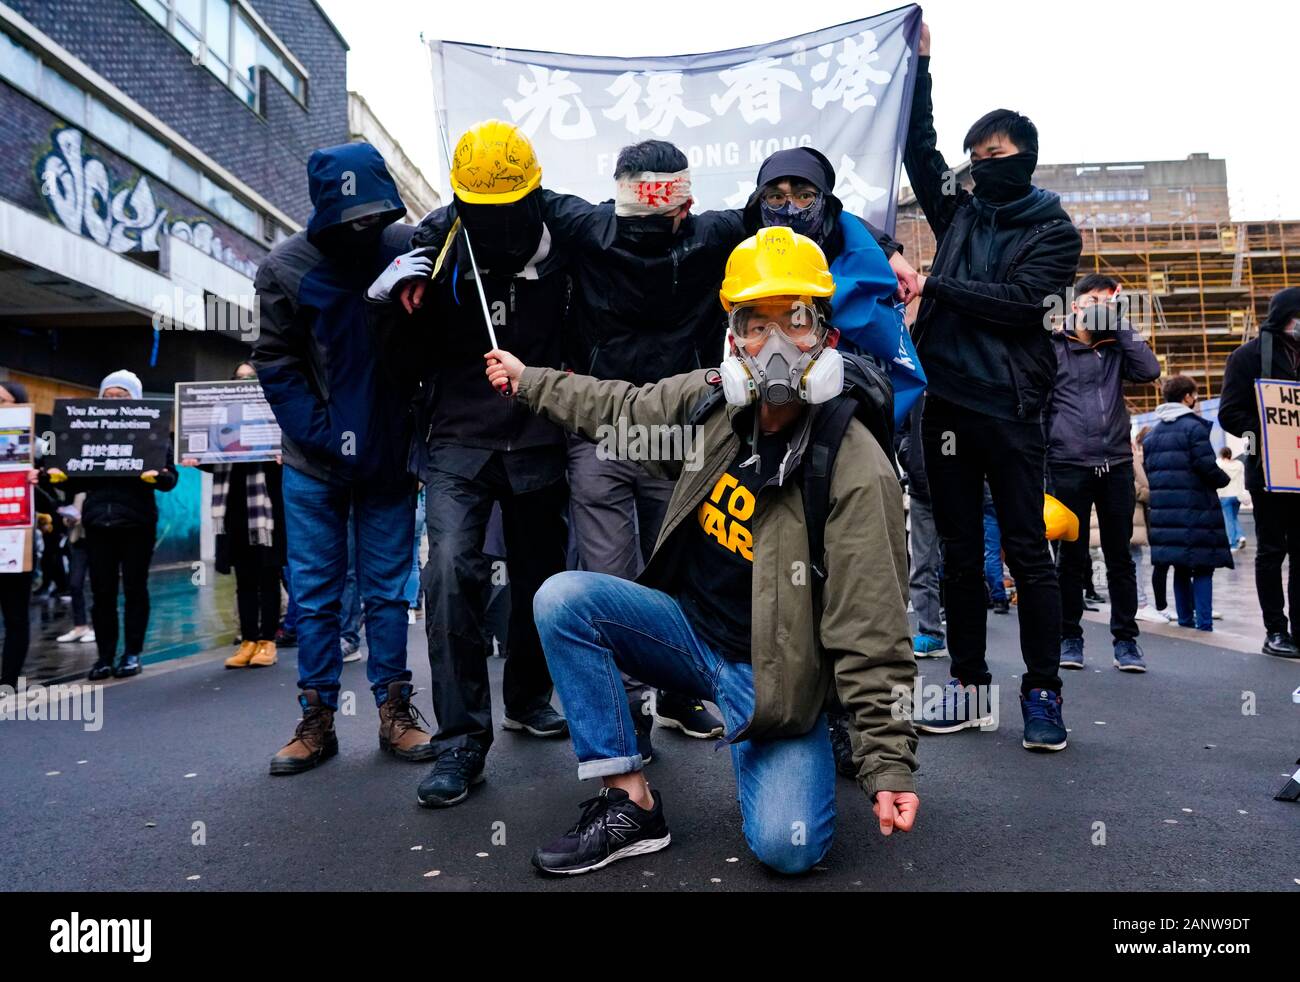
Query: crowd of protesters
x,y
643,588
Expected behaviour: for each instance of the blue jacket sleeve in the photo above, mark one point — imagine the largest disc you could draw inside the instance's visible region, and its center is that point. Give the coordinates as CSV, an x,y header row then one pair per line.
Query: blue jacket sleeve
x,y
281,357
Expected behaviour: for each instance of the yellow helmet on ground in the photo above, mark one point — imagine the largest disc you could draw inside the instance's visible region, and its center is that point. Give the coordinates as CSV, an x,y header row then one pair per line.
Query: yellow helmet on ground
x,y
777,262
1060,521
494,164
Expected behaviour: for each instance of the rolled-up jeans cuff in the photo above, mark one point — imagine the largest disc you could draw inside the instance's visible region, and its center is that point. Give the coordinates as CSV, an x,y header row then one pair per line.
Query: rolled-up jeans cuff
x,y
609,766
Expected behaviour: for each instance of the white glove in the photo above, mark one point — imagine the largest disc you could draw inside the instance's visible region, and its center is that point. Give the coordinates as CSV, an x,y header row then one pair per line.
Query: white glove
x,y
408,266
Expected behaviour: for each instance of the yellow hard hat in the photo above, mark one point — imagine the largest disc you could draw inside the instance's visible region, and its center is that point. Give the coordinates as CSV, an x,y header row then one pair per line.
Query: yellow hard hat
x,y
1060,521
494,164
777,262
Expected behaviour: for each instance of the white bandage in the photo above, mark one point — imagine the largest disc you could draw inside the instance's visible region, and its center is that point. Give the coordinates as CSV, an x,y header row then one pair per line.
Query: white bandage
x,y
650,193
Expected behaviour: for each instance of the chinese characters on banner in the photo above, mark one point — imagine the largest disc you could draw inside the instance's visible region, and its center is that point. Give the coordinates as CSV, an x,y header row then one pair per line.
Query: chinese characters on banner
x,y
845,90
17,512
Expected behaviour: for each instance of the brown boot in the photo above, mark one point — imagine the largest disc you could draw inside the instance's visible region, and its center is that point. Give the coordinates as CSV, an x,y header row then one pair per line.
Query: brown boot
x,y
240,658
264,657
399,729
313,741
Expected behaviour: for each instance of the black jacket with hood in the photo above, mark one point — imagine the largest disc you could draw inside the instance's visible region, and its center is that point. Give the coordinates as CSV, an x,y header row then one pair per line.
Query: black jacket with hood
x,y
982,329
645,297
457,406
1238,411
338,379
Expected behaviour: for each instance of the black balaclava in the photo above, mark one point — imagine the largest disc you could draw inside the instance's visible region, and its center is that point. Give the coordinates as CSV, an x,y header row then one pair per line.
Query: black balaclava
x,y
804,164
1002,180
506,236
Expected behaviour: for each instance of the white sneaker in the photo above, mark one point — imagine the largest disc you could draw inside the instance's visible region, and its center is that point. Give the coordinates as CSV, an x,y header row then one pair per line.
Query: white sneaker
x,y
76,634
410,615
1151,615
1215,615
88,637
1170,616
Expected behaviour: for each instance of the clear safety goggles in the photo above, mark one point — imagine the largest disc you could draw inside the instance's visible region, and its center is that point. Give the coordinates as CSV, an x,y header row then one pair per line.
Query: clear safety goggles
x,y
797,321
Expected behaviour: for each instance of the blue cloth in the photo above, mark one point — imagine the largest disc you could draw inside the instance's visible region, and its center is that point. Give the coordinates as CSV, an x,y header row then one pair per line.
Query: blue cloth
x,y
1231,508
1194,597
1186,523
993,553
593,626
413,581
350,619
316,523
291,607
866,315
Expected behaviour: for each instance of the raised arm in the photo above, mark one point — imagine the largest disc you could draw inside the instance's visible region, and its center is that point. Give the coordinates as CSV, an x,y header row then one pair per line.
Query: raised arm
x,y
927,171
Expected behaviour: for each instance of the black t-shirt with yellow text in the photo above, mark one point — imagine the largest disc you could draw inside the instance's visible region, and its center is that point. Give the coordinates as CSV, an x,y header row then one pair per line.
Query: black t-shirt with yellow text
x,y
714,589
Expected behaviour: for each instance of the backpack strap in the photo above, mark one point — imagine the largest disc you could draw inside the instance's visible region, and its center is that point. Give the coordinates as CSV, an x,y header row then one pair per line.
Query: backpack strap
x,y
707,404
819,464
1266,354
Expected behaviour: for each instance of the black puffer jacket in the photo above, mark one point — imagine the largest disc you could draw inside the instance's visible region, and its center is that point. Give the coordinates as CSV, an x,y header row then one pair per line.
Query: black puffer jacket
x,y
981,331
1186,519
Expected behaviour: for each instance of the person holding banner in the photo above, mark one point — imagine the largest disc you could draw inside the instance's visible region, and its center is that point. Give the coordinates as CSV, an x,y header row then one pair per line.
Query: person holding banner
x,y
1005,252
1275,354
713,613
120,516
248,520
336,372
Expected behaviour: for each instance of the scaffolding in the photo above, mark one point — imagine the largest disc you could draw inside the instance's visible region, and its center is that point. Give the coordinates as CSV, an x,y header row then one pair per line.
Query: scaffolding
x,y
1204,286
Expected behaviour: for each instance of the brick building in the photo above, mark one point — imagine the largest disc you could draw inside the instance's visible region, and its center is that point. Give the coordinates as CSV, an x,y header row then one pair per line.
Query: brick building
x,y
151,153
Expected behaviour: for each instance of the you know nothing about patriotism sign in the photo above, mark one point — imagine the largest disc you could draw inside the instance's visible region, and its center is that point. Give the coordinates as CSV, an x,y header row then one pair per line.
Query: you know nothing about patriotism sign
x,y
845,90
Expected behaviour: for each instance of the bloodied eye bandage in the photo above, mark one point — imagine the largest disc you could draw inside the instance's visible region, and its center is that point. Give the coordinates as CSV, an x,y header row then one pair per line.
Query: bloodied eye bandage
x,y
651,193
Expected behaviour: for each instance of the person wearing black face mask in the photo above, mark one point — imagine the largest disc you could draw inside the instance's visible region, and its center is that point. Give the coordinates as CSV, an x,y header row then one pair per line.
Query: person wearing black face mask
x,y
475,448
1090,456
344,414
1004,253
1274,354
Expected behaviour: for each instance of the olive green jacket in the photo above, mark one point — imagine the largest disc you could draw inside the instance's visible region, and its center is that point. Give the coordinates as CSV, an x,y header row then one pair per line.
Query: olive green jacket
x,y
860,640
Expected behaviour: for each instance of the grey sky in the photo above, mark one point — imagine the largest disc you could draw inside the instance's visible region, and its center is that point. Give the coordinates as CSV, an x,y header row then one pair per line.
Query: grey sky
x,y
1104,80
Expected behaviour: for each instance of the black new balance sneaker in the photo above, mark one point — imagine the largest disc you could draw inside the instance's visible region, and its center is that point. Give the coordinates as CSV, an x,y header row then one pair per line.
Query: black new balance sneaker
x,y
686,713
612,827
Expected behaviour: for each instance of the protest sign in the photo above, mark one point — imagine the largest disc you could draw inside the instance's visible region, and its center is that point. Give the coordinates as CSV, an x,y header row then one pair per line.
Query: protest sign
x,y
224,422
110,437
1279,414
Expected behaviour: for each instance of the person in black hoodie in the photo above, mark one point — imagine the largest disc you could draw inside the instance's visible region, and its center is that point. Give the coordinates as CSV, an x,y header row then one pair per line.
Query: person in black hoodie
x,y
120,517
1275,354
336,372
15,588
982,335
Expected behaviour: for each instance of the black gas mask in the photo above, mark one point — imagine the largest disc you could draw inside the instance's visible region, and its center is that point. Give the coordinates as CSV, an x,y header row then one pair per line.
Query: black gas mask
x,y
504,237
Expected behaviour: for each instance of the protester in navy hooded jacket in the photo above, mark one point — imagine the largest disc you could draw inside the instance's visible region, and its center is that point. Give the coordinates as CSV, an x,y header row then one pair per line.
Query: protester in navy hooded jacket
x,y
345,414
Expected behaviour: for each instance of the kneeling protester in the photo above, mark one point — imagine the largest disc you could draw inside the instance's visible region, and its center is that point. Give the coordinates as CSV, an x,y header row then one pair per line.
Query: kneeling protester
x,y
779,580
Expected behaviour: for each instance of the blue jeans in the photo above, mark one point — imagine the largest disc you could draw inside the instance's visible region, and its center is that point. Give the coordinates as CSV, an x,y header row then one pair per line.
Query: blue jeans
x,y
1194,597
291,607
350,621
316,523
1231,506
993,554
413,581
594,626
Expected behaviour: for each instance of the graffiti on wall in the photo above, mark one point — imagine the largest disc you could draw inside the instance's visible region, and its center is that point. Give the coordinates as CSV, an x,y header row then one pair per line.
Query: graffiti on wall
x,y
80,193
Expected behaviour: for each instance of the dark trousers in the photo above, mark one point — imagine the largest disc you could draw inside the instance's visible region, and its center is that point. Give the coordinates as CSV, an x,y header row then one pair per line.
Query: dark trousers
x,y
458,579
962,450
1277,534
1112,491
15,596
257,595
1160,585
78,563
128,550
